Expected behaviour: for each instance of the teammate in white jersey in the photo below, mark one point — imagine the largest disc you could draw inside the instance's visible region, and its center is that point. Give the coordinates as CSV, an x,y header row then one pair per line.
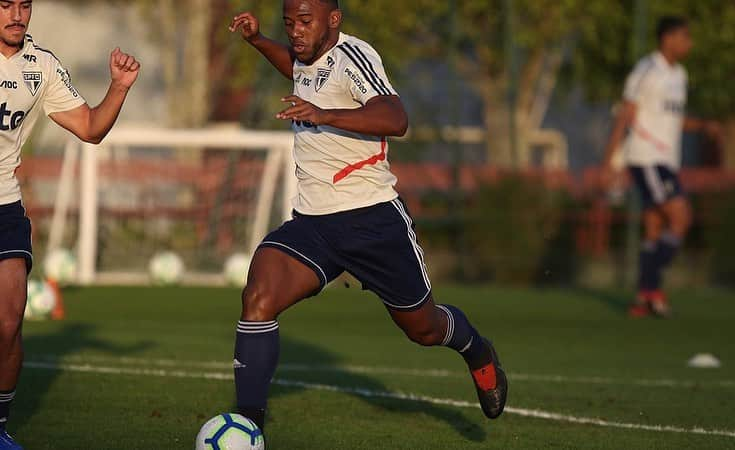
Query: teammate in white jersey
x,y
653,112
347,216
32,81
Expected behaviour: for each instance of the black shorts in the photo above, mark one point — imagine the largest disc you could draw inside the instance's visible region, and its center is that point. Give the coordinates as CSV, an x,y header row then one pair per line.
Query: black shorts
x,y
377,245
15,233
656,184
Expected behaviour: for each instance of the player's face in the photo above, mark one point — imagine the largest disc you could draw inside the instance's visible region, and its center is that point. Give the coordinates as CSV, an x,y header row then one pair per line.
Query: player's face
x,y
14,18
681,42
308,25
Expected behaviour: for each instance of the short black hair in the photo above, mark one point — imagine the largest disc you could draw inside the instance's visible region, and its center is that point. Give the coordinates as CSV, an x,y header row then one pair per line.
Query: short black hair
x,y
333,3
668,24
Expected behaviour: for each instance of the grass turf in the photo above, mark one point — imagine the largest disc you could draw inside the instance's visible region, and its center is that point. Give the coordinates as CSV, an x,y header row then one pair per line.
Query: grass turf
x,y
71,398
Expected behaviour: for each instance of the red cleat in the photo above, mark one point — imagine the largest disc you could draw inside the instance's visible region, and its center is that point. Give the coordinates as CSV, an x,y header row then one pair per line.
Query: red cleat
x,y
659,304
641,307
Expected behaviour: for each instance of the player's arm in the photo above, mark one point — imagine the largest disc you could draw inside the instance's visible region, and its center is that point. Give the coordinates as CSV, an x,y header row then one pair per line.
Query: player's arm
x,y
383,115
623,120
92,124
278,54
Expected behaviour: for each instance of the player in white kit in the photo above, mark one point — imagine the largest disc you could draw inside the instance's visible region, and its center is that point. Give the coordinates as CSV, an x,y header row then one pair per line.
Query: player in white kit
x,y
347,215
33,81
653,114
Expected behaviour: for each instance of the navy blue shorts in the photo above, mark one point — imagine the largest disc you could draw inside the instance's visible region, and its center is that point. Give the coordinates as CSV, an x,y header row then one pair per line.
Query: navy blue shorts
x,y
656,184
377,245
15,233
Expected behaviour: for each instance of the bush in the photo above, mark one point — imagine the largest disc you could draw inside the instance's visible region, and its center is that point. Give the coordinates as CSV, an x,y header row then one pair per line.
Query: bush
x,y
521,232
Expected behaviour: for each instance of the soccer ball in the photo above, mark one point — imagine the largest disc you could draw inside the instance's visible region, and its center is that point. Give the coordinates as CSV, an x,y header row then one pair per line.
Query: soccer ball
x,y
166,268
41,300
230,432
60,265
236,269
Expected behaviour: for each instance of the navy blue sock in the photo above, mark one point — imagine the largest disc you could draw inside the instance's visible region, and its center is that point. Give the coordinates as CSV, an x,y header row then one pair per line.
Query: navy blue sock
x,y
666,250
649,274
462,337
257,347
6,397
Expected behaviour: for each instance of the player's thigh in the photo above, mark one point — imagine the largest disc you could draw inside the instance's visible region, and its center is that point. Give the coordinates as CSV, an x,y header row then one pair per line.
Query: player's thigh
x,y
679,214
13,287
380,248
276,281
654,222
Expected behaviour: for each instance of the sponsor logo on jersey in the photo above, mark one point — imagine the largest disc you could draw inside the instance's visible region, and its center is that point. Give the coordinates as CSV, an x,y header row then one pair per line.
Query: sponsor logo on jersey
x,y
33,81
357,80
322,76
30,58
66,79
10,120
306,82
8,84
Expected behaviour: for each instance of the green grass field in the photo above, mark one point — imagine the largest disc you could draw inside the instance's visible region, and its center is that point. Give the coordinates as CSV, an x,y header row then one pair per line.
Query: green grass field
x,y
143,368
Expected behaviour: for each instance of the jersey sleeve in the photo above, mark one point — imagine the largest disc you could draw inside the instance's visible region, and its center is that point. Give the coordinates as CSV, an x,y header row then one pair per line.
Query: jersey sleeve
x,y
61,95
635,85
363,72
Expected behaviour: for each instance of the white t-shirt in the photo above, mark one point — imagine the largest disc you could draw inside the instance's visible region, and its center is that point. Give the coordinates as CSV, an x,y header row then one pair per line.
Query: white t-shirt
x,y
339,170
660,92
30,81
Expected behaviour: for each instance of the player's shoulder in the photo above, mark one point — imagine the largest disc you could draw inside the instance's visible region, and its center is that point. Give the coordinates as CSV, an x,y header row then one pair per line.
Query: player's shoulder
x,y
36,53
354,48
645,65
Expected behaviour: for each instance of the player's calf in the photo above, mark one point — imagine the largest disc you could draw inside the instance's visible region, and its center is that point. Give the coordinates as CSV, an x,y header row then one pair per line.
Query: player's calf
x,y
481,358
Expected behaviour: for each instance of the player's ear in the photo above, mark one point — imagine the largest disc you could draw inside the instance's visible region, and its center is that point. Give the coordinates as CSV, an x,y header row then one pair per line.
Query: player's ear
x,y
335,19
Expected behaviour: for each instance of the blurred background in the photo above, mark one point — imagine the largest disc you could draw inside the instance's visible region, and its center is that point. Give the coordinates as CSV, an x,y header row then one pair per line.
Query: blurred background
x,y
510,101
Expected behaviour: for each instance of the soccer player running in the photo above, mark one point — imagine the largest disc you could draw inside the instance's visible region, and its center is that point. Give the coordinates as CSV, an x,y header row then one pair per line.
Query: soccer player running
x,y
33,80
347,215
653,111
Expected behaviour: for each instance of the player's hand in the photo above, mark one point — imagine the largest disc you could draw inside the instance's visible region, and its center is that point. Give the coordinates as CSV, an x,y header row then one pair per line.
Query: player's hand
x,y
124,68
302,110
608,176
247,24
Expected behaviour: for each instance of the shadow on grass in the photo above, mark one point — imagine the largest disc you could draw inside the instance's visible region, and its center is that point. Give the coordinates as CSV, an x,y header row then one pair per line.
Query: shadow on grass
x,y
299,353
67,340
617,301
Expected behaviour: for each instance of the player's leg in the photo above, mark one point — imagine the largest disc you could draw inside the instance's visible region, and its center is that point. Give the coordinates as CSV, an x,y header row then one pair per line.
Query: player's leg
x,y
13,285
677,212
447,325
276,281
649,275
381,249
291,264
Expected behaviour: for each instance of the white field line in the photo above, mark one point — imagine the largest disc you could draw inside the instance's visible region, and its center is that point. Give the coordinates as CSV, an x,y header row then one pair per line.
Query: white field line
x,y
375,370
369,393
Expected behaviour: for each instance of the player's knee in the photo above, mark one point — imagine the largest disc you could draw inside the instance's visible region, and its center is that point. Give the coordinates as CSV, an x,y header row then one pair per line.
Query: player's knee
x,y
10,327
425,336
259,304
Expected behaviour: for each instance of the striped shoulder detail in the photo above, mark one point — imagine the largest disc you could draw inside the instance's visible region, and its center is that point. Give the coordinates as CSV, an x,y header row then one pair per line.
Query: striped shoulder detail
x,y
40,49
362,62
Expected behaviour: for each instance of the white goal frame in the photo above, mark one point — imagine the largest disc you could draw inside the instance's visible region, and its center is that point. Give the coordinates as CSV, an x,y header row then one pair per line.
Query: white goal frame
x,y
278,163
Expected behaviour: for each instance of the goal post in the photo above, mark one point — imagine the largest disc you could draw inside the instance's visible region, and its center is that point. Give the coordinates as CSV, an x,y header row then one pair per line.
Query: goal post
x,y
151,189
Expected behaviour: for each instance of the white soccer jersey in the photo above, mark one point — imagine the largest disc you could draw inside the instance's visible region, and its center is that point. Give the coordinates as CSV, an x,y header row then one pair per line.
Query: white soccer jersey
x,y
30,81
339,170
660,92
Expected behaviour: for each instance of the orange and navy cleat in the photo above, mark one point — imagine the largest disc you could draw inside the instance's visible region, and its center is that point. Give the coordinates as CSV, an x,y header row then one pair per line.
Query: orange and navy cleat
x,y
659,304
641,306
492,385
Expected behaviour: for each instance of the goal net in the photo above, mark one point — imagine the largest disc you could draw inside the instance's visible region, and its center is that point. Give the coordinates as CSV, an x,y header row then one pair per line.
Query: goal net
x,y
204,195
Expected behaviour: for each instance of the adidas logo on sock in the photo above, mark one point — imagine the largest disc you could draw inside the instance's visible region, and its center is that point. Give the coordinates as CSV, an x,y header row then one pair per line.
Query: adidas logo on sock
x,y
238,365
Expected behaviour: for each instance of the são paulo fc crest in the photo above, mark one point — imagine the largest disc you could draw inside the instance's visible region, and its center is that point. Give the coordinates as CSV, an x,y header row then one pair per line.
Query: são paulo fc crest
x,y
33,81
322,76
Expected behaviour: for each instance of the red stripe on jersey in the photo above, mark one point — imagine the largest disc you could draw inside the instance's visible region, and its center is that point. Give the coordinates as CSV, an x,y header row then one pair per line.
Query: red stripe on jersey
x,y
643,133
344,173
